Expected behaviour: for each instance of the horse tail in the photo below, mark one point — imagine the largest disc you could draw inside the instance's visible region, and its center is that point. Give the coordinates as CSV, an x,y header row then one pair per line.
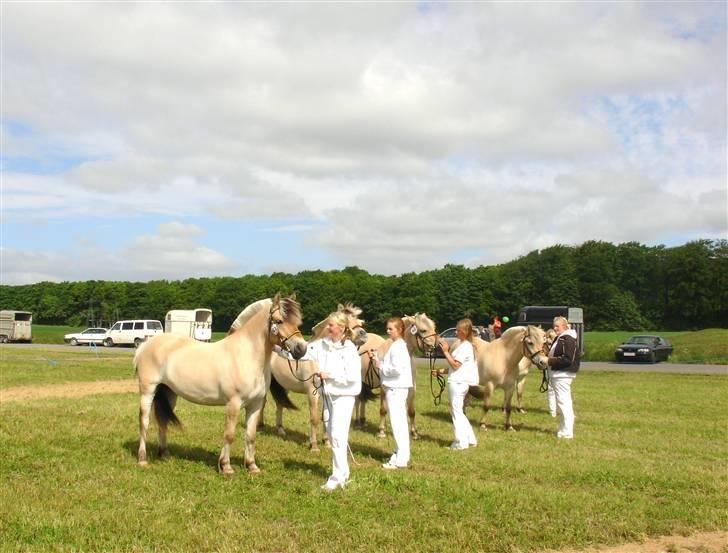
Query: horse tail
x,y
476,392
163,411
367,393
280,395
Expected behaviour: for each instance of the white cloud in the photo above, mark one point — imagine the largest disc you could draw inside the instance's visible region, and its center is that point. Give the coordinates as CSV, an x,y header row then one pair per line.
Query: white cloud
x,y
391,135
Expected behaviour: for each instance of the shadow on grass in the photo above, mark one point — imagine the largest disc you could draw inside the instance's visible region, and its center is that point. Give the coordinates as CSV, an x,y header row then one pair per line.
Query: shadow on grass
x,y
176,451
304,466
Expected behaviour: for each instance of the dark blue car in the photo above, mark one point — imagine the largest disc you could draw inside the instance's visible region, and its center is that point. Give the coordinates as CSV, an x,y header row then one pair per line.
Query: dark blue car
x,y
644,348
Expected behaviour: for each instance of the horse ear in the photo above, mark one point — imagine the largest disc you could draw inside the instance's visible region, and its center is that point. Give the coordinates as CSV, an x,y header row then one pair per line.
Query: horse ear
x,y
292,296
340,307
277,298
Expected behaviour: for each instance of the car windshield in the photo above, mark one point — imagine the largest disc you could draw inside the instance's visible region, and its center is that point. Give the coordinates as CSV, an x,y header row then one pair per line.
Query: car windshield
x,y
644,340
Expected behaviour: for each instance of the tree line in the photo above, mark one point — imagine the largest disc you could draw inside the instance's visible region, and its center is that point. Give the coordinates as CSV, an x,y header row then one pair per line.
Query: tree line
x,y
628,286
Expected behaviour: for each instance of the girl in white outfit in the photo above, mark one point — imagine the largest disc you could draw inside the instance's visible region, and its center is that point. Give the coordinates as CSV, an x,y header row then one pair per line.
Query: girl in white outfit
x,y
340,370
462,374
396,377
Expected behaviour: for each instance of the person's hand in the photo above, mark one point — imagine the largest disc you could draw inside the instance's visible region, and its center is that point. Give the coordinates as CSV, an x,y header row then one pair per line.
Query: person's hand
x,y
443,345
372,353
323,375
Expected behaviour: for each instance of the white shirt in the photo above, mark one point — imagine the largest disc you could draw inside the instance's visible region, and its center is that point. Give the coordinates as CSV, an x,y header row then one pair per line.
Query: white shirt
x,y
396,367
467,373
339,361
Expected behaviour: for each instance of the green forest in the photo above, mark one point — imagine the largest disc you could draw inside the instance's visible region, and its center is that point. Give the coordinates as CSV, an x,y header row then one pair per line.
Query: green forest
x,y
628,286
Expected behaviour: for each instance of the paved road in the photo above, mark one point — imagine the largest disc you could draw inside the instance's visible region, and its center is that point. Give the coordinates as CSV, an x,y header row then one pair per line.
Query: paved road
x,y
585,365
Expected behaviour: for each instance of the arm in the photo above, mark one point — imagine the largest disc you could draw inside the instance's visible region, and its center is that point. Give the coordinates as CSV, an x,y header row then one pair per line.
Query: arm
x,y
454,363
310,354
397,361
349,371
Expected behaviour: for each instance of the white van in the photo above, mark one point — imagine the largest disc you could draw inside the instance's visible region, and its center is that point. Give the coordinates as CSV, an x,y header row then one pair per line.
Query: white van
x,y
132,332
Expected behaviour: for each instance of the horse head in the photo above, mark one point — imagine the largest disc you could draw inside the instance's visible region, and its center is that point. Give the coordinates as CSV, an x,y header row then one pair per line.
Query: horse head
x,y
534,339
354,327
423,329
284,319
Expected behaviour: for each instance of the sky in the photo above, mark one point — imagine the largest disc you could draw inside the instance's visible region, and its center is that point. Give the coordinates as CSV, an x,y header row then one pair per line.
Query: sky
x,y
171,140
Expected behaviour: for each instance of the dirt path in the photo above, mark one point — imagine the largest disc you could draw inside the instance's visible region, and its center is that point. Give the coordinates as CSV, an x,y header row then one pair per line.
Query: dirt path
x,y
68,389
703,542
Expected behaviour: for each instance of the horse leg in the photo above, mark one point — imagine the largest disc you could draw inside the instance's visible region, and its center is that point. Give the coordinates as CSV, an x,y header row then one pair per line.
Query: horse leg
x,y
487,391
252,410
519,395
382,415
313,414
146,398
411,413
261,419
507,400
279,420
232,410
164,423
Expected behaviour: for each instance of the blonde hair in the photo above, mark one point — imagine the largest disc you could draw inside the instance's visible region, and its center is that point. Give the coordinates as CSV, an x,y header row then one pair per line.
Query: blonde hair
x,y
563,320
343,321
466,325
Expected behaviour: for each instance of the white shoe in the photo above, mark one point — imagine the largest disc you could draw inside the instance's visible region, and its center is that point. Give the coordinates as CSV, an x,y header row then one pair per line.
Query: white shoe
x,y
389,466
564,436
456,447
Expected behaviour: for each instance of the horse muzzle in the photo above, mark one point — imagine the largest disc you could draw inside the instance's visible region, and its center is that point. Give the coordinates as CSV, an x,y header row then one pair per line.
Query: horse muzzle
x,y
359,337
541,361
298,349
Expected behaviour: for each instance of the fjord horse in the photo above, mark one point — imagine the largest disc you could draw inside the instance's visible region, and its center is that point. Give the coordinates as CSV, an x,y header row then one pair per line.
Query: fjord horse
x,y
297,377
233,372
498,365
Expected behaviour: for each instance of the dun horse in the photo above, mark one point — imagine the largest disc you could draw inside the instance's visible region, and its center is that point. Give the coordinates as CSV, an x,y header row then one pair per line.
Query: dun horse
x,y
498,365
297,376
420,333
233,372
525,365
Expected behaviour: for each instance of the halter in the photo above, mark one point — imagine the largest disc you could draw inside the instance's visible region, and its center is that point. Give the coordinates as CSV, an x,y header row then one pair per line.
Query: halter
x,y
526,351
421,344
273,325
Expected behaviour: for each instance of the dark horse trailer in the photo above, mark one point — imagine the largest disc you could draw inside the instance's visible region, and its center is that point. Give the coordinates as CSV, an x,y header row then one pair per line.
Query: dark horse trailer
x,y
543,316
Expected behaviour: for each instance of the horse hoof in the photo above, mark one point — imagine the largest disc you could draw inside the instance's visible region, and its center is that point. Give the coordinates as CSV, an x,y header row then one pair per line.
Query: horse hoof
x,y
142,464
415,436
315,449
253,469
381,434
281,432
226,471
510,429
521,410
483,428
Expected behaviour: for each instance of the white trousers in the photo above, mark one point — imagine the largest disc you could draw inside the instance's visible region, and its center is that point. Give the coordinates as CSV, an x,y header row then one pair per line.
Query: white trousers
x,y
464,435
561,382
397,406
551,397
337,427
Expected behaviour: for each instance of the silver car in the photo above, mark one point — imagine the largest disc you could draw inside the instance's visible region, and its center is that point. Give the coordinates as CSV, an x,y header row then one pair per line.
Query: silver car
x,y
88,336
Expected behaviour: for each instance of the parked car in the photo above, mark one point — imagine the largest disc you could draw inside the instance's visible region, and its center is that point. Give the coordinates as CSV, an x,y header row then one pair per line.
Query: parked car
x,y
644,348
450,337
132,332
88,336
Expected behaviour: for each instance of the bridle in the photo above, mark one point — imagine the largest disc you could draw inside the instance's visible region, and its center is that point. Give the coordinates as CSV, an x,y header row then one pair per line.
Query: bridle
x,y
526,349
274,324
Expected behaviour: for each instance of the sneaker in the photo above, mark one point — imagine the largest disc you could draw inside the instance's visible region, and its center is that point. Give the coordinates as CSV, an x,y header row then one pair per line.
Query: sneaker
x,y
456,447
474,444
564,436
389,466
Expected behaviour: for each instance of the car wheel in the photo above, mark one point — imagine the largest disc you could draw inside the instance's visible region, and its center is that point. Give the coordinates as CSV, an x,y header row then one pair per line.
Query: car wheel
x,y
3,339
138,342
74,342
109,343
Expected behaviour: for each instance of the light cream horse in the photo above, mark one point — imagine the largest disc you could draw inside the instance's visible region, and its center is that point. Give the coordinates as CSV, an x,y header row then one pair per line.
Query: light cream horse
x,y
297,377
525,365
498,365
420,333
233,372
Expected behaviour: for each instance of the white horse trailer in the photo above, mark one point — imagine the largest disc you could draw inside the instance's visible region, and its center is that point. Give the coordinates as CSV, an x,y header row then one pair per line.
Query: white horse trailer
x,y
15,326
195,323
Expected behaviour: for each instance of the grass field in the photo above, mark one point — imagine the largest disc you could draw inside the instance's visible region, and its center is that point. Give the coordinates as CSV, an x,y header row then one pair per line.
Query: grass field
x,y
649,459
705,346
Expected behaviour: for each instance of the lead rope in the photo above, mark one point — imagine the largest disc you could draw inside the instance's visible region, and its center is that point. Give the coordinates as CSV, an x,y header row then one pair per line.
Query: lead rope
x,y
328,408
441,380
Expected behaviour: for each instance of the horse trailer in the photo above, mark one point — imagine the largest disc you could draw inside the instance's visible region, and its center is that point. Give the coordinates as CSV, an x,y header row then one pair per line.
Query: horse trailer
x,y
195,323
543,316
15,326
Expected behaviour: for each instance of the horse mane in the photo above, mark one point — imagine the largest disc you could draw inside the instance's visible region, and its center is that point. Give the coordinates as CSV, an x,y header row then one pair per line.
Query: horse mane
x,y
290,309
512,332
348,309
249,312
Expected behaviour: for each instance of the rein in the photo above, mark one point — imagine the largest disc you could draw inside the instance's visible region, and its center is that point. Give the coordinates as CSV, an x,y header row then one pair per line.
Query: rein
x,y
372,374
440,379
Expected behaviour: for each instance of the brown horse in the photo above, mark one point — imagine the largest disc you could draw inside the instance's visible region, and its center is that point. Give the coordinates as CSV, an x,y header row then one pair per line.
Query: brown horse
x,y
233,372
498,365
420,333
297,377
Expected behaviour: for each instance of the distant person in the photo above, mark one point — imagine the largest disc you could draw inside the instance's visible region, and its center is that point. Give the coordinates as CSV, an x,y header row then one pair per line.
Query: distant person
x,y
563,366
462,374
396,374
490,330
497,327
